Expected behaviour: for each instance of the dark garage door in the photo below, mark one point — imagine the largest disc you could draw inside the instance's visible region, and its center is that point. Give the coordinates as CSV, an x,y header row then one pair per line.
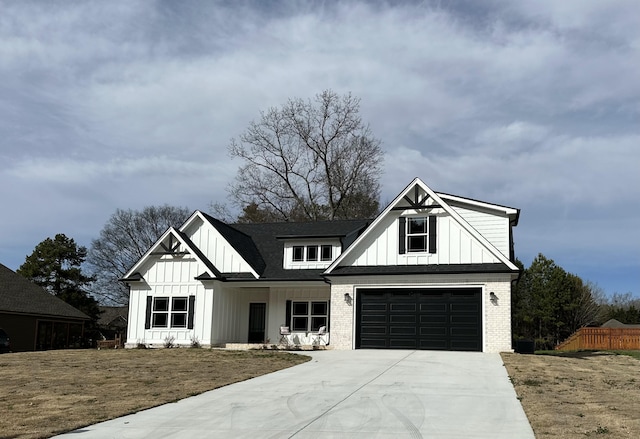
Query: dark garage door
x,y
427,318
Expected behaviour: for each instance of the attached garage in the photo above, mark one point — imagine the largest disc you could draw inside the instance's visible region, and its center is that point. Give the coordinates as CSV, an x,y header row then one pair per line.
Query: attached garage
x,y
419,318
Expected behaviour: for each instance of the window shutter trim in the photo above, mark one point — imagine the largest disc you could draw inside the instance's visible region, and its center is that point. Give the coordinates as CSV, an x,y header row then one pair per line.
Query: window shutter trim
x,y
147,320
433,238
192,302
402,233
288,314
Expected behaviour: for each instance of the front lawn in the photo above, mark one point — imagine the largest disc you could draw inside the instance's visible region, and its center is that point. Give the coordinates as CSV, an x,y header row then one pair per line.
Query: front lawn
x,y
45,393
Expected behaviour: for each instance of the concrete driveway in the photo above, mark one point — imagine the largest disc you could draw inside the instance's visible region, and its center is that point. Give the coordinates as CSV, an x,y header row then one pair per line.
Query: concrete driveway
x,y
346,394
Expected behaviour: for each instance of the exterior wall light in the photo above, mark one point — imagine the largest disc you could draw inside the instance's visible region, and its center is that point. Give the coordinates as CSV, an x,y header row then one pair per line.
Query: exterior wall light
x,y
493,298
347,298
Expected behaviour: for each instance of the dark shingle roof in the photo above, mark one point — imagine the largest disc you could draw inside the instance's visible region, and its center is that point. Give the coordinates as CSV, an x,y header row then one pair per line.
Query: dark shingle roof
x,y
21,296
241,242
268,243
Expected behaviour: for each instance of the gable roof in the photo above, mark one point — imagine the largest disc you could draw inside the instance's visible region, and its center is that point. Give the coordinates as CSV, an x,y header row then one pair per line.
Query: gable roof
x,y
241,242
133,274
415,186
19,295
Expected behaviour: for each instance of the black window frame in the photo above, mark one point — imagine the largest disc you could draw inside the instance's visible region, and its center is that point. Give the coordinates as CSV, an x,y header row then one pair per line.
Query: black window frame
x,y
171,312
312,253
324,248
298,249
309,315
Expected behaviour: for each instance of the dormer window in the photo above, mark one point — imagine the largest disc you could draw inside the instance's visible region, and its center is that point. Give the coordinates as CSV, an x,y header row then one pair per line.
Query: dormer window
x,y
312,253
298,253
326,252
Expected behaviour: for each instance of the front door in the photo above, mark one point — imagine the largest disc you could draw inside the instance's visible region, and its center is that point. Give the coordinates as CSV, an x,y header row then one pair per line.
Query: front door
x,y
257,318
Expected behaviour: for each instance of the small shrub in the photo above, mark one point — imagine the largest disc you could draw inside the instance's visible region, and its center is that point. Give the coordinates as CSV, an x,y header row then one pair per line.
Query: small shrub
x,y
195,343
169,341
140,344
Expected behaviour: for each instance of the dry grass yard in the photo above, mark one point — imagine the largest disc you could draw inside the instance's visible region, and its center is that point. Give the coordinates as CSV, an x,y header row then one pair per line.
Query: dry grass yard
x,y
44,393
575,395
579,394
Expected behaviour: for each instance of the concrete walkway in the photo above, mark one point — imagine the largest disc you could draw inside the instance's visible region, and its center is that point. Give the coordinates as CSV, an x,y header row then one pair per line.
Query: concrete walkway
x,y
346,394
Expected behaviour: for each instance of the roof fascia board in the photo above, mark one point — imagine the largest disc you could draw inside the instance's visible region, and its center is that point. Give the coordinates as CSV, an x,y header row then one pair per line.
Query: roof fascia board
x,y
506,210
438,200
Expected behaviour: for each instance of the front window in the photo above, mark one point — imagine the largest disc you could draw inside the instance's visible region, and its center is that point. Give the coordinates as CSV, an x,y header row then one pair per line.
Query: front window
x,y
169,311
160,317
417,235
309,316
179,312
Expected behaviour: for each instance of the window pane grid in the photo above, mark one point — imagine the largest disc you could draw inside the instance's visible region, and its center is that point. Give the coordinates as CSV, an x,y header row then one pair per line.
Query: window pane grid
x,y
164,316
312,253
417,234
309,316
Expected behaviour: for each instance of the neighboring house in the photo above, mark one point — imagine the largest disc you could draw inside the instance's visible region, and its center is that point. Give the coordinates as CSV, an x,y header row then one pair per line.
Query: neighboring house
x,y
432,271
112,322
613,323
35,319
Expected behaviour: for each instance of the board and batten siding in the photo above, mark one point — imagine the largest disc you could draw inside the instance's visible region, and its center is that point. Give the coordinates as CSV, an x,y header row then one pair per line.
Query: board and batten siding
x,y
216,248
169,276
289,264
454,246
495,228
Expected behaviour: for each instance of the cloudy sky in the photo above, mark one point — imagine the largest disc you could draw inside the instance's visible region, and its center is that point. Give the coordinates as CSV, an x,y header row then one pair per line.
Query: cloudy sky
x,y
127,104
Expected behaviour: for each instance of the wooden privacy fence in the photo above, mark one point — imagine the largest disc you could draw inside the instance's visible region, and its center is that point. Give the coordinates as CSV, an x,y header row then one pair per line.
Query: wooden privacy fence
x,y
602,339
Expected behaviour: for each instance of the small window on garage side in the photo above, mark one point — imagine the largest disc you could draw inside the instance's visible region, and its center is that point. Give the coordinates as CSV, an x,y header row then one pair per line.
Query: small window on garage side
x,y
326,252
298,253
160,316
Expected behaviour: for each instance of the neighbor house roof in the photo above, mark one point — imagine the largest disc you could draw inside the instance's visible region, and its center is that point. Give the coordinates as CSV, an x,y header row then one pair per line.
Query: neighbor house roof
x,y
113,315
613,323
19,295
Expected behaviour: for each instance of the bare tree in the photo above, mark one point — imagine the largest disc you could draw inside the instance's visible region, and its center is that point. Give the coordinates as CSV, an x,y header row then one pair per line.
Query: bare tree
x,y
308,160
124,239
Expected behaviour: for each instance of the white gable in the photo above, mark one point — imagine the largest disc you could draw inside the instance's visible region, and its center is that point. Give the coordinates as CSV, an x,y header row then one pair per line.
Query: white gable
x,y
170,259
457,241
214,246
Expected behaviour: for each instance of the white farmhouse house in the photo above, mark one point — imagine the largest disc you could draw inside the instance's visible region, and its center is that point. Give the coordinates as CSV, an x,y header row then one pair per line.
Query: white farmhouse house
x,y
432,271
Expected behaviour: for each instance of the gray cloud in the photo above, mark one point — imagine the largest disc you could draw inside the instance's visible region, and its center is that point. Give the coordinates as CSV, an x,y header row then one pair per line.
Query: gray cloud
x,y
107,105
